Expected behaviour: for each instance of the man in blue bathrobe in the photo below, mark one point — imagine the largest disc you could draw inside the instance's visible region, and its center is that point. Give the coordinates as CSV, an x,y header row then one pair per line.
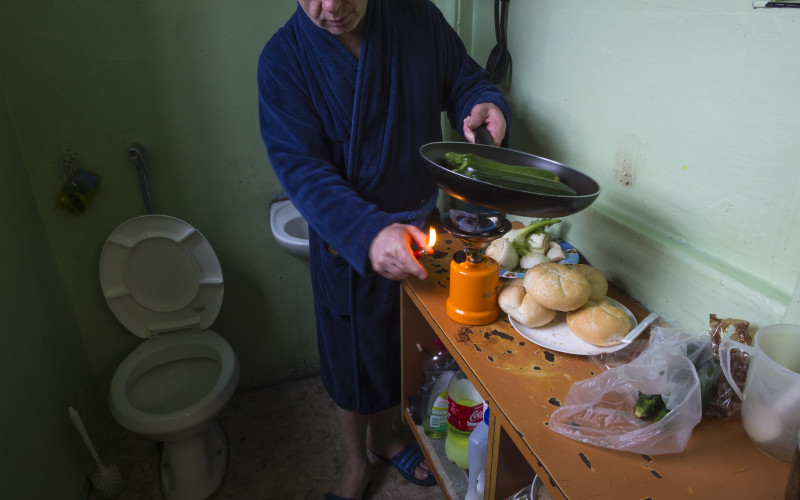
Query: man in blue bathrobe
x,y
348,92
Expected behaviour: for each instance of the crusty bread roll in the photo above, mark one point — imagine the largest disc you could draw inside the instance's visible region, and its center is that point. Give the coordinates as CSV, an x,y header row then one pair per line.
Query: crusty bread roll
x,y
514,300
597,281
599,322
556,286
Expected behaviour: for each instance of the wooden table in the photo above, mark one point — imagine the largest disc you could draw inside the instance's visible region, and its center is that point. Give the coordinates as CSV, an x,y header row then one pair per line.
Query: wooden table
x,y
524,383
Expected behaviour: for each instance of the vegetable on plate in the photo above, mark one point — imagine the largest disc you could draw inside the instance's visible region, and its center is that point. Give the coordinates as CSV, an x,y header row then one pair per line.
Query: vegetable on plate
x,y
526,247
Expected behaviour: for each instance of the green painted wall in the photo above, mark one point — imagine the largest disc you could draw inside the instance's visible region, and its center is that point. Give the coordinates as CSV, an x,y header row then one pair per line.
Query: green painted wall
x,y
686,113
179,77
43,366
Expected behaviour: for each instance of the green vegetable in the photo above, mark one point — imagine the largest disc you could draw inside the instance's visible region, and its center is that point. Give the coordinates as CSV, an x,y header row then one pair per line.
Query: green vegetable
x,y
473,162
519,237
709,373
529,179
520,246
649,406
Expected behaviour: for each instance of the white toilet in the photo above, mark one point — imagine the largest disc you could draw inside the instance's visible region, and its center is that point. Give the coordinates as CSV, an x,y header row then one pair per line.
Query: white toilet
x,y
162,280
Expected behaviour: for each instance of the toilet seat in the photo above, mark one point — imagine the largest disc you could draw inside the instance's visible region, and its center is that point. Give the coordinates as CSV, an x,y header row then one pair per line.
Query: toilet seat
x,y
159,274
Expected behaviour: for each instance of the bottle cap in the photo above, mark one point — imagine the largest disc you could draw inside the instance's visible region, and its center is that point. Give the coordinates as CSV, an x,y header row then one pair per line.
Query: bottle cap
x,y
485,414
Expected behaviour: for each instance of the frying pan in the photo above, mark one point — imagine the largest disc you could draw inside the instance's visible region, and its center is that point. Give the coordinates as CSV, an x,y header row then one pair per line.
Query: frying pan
x,y
504,199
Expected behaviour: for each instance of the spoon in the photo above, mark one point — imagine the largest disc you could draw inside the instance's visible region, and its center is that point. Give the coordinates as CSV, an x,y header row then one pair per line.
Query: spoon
x,y
639,328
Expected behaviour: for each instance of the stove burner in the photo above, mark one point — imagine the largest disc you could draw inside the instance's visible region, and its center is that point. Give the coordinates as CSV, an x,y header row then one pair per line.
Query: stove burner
x,y
476,222
472,224
477,230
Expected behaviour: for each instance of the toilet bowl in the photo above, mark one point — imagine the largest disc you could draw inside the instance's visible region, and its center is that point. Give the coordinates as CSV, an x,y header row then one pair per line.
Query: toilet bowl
x,y
162,280
289,228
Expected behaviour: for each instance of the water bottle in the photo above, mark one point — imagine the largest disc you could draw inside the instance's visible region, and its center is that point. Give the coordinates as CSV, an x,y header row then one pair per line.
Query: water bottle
x,y
476,454
438,368
464,413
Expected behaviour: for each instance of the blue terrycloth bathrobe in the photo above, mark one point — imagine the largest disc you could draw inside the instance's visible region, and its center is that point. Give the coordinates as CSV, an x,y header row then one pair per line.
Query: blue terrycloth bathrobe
x,y
343,136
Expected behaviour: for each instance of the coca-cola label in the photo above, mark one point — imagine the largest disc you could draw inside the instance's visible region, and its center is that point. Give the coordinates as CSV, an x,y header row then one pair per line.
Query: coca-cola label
x,y
464,418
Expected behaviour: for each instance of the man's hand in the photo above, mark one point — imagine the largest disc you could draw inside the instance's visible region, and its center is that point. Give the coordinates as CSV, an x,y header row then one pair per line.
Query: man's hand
x,y
391,255
485,114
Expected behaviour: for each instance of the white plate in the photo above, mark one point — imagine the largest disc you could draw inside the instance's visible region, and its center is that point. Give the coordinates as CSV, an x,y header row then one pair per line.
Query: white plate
x,y
570,253
557,336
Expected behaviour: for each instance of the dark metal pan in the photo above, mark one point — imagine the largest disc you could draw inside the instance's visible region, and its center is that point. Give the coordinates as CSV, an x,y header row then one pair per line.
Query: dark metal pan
x,y
503,199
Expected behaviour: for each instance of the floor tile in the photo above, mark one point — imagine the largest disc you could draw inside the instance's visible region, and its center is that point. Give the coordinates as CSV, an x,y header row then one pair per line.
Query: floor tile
x,y
283,443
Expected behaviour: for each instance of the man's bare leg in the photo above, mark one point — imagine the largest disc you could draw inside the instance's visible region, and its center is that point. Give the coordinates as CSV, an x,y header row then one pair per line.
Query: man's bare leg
x,y
357,466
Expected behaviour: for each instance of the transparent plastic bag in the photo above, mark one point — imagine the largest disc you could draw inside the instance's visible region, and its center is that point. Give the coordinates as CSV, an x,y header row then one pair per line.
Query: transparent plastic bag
x,y
727,404
600,410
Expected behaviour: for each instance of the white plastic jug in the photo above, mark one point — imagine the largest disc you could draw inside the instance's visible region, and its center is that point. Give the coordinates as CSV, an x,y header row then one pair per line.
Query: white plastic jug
x,y
771,396
476,456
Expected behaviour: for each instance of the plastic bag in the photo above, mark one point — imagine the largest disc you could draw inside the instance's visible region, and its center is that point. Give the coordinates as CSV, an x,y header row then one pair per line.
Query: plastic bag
x,y
701,353
726,403
621,357
600,410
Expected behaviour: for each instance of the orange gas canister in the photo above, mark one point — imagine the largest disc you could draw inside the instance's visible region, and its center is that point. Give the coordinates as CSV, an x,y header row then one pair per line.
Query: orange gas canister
x,y
473,290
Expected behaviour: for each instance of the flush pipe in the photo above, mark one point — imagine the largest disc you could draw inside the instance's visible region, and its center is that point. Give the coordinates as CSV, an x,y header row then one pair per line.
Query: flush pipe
x,y
278,196
136,156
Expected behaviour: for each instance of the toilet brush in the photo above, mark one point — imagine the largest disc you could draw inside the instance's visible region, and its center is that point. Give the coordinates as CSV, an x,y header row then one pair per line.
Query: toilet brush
x,y
107,480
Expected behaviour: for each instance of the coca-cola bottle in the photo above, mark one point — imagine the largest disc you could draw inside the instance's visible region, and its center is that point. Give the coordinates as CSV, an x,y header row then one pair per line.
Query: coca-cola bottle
x,y
464,413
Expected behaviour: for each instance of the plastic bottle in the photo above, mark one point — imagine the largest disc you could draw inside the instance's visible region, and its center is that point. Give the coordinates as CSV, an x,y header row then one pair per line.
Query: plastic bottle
x,y
478,446
438,368
464,413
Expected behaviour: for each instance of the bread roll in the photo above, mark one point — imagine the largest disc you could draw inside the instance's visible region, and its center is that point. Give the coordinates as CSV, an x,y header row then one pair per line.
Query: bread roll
x,y
514,301
596,280
600,323
556,286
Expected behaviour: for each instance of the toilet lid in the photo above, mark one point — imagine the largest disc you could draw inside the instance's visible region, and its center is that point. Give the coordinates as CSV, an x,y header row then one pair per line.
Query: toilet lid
x,y
159,274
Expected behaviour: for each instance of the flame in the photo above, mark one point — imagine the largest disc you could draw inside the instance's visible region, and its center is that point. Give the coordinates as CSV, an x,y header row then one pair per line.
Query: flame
x,y
431,240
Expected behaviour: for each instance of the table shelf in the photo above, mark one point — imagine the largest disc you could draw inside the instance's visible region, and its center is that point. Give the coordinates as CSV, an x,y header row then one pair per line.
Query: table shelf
x,y
451,479
524,383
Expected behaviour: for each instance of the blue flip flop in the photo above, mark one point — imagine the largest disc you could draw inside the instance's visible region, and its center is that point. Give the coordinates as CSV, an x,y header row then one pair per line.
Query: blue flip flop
x,y
406,462
331,496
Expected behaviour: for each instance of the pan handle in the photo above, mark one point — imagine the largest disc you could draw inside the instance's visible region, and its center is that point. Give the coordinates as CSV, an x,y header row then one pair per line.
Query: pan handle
x,y
483,136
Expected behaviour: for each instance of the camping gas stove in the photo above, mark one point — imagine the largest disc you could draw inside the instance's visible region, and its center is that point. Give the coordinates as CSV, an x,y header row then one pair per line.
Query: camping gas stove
x,y
474,277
